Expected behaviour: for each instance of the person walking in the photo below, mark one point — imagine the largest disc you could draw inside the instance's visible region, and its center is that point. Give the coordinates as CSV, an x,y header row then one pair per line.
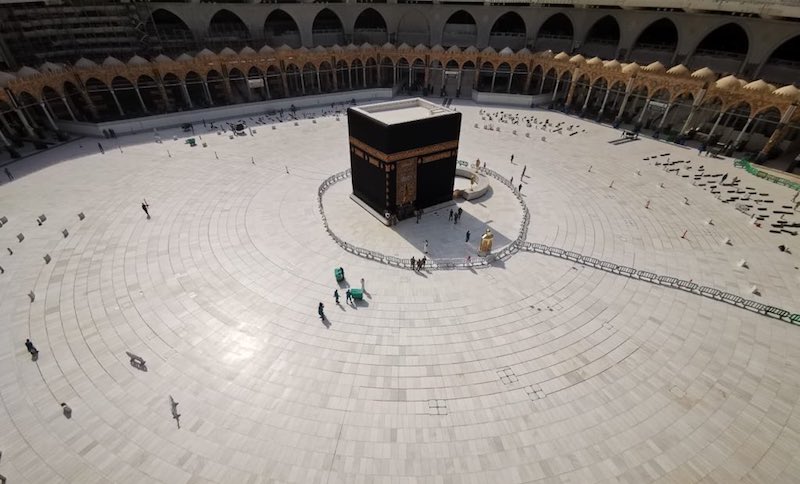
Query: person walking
x,y
348,296
425,248
512,158
467,239
145,206
362,285
102,151
31,349
512,180
423,261
450,217
520,188
336,295
8,174
523,171
321,311
460,211
703,147
413,263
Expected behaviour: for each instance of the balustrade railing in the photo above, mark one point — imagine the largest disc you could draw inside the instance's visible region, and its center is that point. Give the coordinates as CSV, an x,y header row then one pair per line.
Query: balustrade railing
x,y
520,243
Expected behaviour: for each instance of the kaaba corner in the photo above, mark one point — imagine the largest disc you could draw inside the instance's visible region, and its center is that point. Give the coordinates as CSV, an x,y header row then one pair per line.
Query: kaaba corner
x,y
403,155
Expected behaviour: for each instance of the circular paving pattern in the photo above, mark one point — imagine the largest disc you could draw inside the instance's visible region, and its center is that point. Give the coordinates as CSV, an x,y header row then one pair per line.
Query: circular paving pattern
x,y
533,370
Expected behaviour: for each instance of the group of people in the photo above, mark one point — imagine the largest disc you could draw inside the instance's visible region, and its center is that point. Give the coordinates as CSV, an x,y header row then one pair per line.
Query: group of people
x,y
347,295
455,215
418,264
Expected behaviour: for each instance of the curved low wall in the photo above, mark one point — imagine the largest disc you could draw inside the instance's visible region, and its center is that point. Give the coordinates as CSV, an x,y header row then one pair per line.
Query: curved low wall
x,y
476,191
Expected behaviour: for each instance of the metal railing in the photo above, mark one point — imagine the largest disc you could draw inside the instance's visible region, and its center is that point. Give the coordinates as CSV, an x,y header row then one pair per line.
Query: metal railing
x,y
667,281
520,243
766,175
432,263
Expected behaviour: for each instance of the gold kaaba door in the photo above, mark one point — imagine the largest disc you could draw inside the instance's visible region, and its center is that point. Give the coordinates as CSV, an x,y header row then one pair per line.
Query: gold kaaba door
x,y
406,182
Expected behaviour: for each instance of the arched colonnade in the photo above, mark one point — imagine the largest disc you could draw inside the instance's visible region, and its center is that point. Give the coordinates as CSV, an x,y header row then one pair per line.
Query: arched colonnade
x,y
644,96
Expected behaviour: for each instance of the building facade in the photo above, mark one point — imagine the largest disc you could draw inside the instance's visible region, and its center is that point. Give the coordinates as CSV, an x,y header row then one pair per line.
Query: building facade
x,y
722,78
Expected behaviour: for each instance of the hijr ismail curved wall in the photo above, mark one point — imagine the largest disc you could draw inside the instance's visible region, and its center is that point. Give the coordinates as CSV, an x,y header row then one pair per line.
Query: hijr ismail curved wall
x,y
755,116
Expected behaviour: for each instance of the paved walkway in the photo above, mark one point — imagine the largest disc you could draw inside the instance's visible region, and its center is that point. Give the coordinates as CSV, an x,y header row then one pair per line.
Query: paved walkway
x,y
536,370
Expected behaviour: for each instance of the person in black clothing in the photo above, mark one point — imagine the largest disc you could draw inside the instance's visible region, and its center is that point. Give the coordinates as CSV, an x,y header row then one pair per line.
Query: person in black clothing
x,y
31,349
145,206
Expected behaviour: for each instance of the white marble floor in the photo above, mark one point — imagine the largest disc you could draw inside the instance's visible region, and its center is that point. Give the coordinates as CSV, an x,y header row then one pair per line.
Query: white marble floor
x,y
534,370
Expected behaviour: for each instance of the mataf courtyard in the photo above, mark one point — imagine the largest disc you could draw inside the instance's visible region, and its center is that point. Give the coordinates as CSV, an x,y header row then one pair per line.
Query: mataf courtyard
x,y
554,363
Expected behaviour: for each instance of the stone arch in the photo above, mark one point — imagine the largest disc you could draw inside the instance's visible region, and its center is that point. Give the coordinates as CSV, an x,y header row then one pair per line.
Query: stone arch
x,y
562,89
55,103
597,95
326,74
217,87
150,94
174,90
556,33
387,72
636,102
370,26
281,28
256,83
371,72
274,82
508,30
78,101
327,28
173,34
537,78
125,93
28,104
100,95
615,97
413,29
417,73
602,38
485,75
293,76
342,74
654,108
764,123
784,62
501,79
580,90
680,108
195,86
549,81
310,84
724,49
17,129
356,74
226,29
733,120
240,92
460,29
656,42
519,78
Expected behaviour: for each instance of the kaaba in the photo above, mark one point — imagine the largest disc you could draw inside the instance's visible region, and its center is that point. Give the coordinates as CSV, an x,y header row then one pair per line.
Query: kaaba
x,y
403,155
